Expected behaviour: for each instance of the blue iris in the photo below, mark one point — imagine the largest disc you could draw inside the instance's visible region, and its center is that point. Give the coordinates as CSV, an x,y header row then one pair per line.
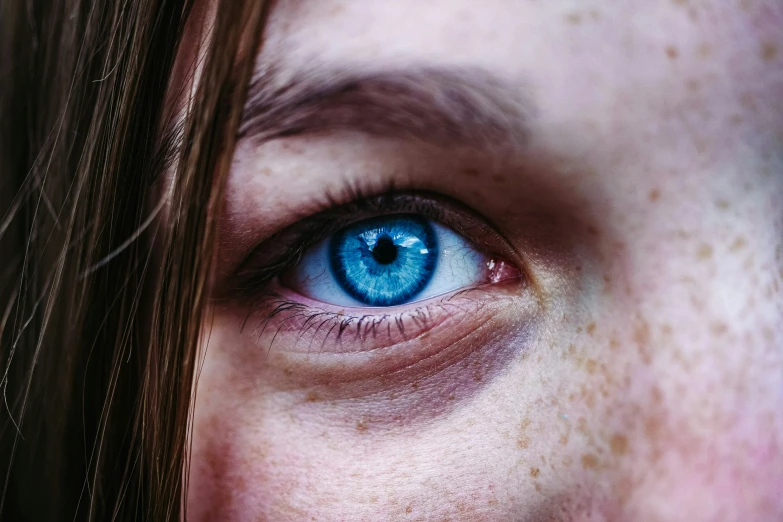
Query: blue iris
x,y
384,261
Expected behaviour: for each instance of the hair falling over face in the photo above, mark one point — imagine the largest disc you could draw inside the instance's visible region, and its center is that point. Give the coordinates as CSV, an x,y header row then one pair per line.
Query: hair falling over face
x,y
96,389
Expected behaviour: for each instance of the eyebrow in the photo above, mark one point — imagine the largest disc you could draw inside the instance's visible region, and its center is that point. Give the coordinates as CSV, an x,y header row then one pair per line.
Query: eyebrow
x,y
447,107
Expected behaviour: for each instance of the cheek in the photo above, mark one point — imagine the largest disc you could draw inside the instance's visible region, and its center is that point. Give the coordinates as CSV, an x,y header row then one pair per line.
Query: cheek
x,y
234,476
628,421
236,473
258,454
675,399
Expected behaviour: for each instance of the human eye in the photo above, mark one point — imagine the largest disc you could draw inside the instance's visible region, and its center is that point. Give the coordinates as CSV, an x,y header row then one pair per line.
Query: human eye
x,y
389,260
379,275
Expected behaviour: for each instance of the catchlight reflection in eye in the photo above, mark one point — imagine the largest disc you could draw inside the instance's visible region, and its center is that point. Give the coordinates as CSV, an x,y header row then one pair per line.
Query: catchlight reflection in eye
x,y
388,261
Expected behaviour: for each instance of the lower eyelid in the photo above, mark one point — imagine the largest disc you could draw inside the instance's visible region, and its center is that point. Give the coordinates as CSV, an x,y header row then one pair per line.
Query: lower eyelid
x,y
307,348
370,329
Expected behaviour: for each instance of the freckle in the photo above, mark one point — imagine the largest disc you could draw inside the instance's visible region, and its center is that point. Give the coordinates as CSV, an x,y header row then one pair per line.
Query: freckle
x,y
666,329
748,101
571,349
590,329
654,195
361,426
589,461
523,442
769,335
614,344
697,301
415,385
618,445
704,252
595,15
704,50
590,366
722,204
564,439
574,18
719,328
582,426
641,336
451,397
534,472
672,52
538,487
657,395
312,397
409,509
588,397
768,51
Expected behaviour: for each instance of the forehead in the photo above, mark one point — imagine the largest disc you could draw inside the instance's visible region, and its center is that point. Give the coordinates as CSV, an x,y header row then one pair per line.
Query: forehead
x,y
516,35
576,57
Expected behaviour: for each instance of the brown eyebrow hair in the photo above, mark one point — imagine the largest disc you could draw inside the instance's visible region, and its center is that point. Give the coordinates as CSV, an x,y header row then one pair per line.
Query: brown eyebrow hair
x,y
444,106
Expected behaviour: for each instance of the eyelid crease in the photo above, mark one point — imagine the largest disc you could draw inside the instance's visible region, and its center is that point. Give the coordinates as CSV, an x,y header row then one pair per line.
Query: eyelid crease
x,y
284,249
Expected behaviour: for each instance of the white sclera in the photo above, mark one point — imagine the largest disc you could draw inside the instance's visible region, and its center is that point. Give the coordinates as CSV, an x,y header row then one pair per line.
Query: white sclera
x,y
459,265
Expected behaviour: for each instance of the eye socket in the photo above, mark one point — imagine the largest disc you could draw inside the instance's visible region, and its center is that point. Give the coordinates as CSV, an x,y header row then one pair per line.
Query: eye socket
x,y
388,261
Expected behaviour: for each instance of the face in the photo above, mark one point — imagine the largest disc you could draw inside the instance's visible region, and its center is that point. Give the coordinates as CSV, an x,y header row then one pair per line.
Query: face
x,y
501,260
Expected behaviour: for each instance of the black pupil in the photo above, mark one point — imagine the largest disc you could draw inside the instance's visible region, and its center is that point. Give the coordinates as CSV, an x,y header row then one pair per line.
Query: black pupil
x,y
384,251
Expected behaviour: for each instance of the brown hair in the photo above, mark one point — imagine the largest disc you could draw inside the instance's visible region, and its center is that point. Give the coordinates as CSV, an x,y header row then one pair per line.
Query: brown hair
x,y
98,337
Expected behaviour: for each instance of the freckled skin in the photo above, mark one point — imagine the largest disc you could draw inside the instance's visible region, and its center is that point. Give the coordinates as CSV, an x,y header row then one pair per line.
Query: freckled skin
x,y
649,209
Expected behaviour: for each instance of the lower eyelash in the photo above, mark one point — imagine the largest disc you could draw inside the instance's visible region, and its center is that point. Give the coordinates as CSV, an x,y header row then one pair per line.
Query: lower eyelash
x,y
287,314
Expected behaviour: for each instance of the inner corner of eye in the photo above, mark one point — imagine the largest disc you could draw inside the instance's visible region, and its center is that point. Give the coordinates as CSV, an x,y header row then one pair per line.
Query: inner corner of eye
x,y
393,260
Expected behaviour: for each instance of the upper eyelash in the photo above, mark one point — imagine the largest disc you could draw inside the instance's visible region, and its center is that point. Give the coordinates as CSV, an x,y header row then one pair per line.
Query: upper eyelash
x,y
315,228
349,195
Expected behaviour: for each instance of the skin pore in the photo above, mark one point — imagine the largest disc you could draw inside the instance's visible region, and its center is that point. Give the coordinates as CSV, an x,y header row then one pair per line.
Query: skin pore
x,y
621,158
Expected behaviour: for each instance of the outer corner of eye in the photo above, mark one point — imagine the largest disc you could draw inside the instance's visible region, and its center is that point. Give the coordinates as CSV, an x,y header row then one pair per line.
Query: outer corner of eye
x,y
393,260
